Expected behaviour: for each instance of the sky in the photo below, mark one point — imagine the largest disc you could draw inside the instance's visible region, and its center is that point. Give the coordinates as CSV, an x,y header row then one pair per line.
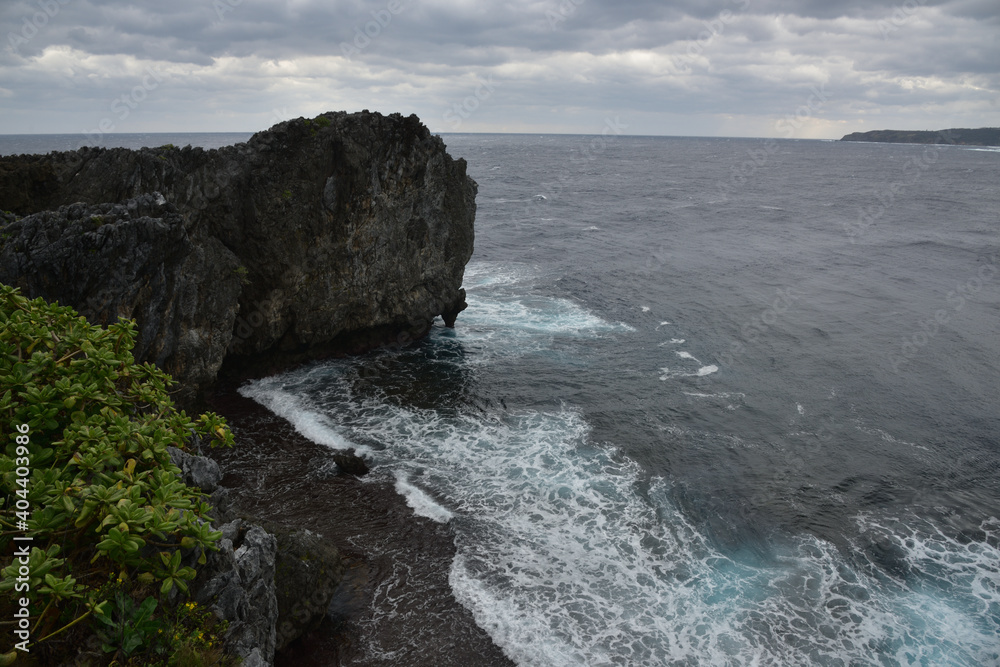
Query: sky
x,y
737,68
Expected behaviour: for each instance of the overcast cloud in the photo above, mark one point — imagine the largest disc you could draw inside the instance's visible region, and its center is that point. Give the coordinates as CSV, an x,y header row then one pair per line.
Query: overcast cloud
x,y
760,68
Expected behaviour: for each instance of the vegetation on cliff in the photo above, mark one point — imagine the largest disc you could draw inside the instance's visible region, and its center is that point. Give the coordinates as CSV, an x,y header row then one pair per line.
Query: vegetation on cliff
x,y
105,535
984,136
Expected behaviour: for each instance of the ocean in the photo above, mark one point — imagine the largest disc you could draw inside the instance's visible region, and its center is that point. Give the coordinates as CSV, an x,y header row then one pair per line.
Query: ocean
x,y
713,402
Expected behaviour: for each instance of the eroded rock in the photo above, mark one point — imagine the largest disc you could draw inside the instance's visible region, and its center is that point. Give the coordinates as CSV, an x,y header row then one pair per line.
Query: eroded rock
x,y
316,237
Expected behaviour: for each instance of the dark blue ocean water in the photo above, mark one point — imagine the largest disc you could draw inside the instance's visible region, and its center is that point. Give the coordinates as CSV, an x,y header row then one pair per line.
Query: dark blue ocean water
x,y
714,402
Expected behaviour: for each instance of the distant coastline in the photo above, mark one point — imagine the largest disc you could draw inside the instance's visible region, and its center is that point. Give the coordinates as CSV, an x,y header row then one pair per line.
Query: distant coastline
x,y
984,136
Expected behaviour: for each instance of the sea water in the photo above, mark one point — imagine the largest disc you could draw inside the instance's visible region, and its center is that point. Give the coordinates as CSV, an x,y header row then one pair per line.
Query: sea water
x,y
713,402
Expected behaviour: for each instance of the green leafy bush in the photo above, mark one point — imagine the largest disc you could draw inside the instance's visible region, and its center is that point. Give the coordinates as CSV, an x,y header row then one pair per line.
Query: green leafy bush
x,y
127,625
104,499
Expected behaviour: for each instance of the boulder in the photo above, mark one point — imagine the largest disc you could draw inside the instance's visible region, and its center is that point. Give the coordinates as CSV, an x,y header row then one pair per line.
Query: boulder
x,y
349,462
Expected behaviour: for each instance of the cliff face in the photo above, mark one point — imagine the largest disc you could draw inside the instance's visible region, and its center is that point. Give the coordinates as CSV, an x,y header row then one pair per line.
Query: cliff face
x,y
326,235
133,260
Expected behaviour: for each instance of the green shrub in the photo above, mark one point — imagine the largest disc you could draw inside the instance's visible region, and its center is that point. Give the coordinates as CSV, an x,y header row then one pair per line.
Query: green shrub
x,y
98,493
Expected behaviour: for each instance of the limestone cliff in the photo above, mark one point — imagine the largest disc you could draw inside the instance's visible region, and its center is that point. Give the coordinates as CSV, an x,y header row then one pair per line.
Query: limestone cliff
x,y
327,235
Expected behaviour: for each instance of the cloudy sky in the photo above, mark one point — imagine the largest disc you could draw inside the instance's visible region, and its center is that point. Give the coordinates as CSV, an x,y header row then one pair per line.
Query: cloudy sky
x,y
754,68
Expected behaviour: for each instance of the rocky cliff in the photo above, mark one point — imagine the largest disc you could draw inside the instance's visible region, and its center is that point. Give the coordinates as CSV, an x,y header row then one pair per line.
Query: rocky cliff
x,y
329,235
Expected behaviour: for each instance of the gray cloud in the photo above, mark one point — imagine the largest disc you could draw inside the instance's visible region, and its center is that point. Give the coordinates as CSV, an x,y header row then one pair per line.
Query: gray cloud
x,y
735,67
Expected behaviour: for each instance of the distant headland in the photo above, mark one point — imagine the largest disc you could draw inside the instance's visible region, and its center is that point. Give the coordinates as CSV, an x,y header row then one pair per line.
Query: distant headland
x,y
984,136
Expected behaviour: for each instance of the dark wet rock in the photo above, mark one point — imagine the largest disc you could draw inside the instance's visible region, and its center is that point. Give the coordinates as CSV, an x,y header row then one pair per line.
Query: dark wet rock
x,y
316,237
349,462
307,574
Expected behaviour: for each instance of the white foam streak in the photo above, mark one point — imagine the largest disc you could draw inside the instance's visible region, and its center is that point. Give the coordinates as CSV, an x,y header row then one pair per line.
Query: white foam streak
x,y
311,424
667,374
418,500
506,319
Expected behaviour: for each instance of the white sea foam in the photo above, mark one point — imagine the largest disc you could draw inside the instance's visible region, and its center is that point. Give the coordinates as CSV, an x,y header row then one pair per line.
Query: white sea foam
x,y
728,395
421,503
311,424
667,374
568,555
565,560
701,372
485,274
645,309
505,318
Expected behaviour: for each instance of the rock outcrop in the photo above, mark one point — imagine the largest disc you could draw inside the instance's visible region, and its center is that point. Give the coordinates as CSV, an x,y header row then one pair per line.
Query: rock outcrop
x,y
237,583
271,583
319,236
133,260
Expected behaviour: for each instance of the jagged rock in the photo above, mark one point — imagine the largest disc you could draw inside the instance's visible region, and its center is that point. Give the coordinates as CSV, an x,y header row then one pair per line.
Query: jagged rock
x,y
238,585
307,573
199,471
133,260
223,511
318,236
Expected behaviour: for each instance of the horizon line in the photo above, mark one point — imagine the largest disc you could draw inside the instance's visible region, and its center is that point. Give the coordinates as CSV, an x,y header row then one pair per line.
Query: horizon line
x,y
562,134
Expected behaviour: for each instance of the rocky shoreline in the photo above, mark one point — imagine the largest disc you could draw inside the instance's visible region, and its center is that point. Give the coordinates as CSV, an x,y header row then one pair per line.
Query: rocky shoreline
x,y
318,237
394,604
